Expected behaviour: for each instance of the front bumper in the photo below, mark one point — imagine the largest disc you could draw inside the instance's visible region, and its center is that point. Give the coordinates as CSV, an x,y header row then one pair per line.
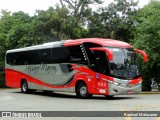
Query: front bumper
x,y
120,90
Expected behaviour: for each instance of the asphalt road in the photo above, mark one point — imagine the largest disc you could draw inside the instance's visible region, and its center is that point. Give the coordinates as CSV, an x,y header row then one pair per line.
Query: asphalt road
x,y
14,100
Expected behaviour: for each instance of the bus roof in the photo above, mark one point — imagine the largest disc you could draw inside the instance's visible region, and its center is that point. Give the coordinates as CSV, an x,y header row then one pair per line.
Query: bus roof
x,y
100,41
43,46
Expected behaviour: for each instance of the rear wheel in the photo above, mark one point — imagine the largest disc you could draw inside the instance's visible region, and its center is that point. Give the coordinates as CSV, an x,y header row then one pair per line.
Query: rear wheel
x,y
24,87
82,91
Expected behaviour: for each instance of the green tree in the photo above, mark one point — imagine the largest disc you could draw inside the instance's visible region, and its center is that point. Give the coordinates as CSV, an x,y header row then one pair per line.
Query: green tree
x,y
80,8
56,23
13,29
48,25
80,11
147,37
19,30
115,21
5,26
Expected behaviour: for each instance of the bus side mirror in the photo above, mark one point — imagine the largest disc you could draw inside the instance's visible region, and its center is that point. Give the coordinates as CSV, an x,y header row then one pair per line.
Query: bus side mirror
x,y
107,51
145,57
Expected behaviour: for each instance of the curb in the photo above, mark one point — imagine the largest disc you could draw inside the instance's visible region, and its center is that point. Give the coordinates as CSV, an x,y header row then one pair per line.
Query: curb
x,y
151,92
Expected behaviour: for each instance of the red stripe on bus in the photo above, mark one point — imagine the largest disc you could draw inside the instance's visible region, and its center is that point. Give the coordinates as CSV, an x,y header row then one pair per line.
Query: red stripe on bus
x,y
20,75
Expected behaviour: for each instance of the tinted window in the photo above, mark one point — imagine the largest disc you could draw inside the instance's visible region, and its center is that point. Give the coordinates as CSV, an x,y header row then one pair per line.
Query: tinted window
x,y
77,55
98,59
73,54
90,54
60,55
40,56
100,63
22,58
29,57
11,58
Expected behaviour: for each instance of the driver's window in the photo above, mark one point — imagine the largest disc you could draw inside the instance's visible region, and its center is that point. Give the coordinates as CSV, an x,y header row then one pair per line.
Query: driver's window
x,y
100,62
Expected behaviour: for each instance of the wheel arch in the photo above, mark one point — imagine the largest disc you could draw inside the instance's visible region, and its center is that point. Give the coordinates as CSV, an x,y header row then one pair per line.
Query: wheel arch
x,y
80,81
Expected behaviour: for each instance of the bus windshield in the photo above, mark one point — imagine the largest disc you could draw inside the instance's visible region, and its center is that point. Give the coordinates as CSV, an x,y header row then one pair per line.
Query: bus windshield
x,y
124,63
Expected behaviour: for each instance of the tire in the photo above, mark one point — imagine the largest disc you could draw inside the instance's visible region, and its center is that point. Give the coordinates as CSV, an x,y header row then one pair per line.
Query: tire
x,y
24,87
82,91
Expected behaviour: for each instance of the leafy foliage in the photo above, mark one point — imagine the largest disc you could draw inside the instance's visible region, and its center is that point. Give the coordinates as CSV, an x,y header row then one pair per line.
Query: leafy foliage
x,y
147,37
115,21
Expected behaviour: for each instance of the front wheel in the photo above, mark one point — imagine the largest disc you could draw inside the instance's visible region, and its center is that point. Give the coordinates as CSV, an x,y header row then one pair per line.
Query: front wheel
x,y
82,91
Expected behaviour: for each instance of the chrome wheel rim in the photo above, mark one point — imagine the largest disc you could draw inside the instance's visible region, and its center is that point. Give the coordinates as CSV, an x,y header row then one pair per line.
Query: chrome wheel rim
x,y
24,87
83,90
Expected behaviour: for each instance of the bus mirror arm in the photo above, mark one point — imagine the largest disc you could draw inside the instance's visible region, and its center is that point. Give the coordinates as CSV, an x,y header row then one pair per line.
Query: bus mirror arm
x,y
145,57
107,51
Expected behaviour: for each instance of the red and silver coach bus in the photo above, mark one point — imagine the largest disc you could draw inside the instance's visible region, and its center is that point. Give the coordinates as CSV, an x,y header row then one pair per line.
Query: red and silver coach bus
x,y
85,66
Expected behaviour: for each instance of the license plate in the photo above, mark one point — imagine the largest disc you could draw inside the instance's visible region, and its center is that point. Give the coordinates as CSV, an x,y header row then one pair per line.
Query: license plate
x,y
129,92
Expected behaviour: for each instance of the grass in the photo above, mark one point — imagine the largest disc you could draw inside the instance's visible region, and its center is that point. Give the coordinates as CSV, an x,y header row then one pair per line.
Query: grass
x,y
150,92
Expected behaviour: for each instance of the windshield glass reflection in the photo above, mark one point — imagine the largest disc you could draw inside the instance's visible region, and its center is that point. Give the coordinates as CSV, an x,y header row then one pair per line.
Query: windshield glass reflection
x,y
124,63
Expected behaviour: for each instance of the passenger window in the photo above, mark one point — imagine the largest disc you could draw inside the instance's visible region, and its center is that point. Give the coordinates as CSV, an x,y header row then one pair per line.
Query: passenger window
x,y
60,55
77,55
11,58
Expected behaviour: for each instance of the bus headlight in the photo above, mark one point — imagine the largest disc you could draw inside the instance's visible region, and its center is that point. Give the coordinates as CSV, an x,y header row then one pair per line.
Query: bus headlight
x,y
140,82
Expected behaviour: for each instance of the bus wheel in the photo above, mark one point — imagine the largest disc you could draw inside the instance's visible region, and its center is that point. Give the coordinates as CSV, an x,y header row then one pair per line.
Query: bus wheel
x,y
82,91
24,87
